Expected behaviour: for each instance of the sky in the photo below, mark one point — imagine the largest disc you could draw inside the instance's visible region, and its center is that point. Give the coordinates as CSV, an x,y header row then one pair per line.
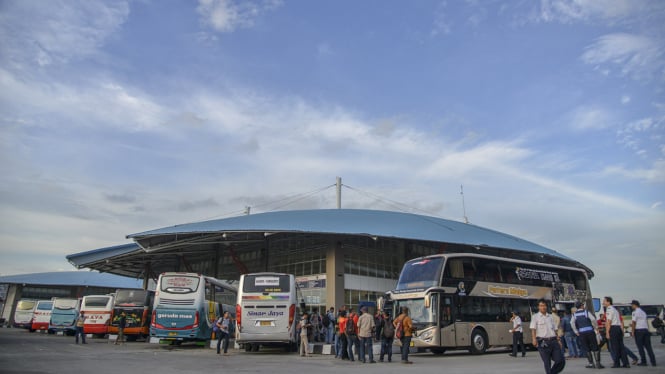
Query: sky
x,y
118,117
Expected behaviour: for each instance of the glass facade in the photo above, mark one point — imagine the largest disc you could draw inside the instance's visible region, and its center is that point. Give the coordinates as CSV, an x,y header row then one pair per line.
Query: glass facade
x,y
372,258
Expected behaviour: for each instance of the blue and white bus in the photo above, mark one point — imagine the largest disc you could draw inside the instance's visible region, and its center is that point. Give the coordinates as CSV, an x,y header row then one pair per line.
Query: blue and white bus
x,y
63,315
266,310
187,305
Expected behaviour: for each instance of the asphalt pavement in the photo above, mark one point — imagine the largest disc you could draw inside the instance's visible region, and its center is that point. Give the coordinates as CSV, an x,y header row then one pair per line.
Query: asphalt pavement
x,y
35,353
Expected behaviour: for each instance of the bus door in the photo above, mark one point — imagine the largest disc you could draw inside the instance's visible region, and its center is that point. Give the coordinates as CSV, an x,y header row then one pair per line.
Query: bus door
x,y
462,328
446,320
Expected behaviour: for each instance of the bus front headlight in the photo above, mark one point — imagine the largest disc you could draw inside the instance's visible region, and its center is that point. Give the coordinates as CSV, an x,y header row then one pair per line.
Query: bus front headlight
x,y
427,336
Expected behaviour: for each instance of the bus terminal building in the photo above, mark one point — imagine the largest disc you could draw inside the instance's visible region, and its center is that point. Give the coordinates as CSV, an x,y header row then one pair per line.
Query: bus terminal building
x,y
339,256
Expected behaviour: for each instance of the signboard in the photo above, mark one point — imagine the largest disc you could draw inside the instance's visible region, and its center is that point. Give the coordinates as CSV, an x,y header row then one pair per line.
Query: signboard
x,y
526,273
266,281
181,282
314,281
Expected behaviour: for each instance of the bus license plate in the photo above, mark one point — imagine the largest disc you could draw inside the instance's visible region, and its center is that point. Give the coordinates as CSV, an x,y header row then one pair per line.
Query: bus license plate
x,y
266,323
173,333
411,344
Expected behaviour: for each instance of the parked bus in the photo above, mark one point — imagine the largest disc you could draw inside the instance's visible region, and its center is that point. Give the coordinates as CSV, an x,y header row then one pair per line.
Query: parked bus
x,y
97,309
23,314
187,305
266,310
63,315
42,315
137,306
464,301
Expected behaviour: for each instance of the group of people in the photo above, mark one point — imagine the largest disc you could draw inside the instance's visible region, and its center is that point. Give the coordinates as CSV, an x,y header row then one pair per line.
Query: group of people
x,y
352,334
547,330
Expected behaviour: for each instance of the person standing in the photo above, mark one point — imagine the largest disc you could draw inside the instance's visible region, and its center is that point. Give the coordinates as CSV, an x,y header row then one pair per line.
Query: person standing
x,y
305,326
585,326
366,327
518,334
557,322
341,337
569,334
640,331
387,337
80,321
122,321
403,322
544,336
658,324
224,326
330,332
351,332
614,331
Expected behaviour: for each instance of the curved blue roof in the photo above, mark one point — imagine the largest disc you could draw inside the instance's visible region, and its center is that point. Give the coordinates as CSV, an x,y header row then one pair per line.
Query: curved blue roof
x,y
360,222
74,278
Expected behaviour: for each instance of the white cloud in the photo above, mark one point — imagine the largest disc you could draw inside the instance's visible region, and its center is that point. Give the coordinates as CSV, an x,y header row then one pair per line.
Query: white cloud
x,y
625,99
654,174
637,56
643,135
568,11
96,102
229,15
49,32
589,118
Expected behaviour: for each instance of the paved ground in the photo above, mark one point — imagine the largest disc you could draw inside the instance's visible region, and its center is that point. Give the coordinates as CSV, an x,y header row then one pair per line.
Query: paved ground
x,y
23,352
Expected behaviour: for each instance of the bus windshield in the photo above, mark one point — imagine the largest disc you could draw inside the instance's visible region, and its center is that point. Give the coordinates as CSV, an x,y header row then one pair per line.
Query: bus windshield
x,y
651,310
417,310
45,306
100,301
130,298
65,304
25,305
179,284
420,273
265,283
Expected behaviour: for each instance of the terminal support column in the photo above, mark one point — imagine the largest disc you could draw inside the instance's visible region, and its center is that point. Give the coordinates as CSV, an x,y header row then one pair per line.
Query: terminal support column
x,y
335,275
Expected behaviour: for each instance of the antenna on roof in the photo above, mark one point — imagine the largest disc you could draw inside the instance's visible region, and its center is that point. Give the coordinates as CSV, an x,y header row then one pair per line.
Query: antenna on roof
x,y
466,219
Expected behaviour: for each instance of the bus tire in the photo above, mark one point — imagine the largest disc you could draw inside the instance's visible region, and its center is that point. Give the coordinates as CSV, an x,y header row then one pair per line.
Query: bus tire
x,y
438,351
478,342
255,347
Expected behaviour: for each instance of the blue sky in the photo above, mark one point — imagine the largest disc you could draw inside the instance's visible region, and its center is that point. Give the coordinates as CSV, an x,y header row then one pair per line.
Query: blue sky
x,y
118,117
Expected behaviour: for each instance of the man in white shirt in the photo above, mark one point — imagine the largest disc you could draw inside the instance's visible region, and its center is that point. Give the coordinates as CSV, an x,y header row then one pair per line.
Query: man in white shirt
x,y
641,334
517,331
614,333
544,336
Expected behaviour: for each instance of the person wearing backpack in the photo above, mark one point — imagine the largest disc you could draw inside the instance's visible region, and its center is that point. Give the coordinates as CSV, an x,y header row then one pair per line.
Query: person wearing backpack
x,y
387,337
329,323
404,331
351,332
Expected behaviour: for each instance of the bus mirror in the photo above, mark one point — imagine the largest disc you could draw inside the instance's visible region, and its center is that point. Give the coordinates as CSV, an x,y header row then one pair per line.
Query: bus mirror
x,y
380,302
427,300
302,306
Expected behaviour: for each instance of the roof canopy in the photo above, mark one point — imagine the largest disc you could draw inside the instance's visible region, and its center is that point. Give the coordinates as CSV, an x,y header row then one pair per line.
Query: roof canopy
x,y
200,238
74,278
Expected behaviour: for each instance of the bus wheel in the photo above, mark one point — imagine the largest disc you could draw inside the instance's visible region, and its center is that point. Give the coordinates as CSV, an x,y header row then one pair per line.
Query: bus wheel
x,y
255,347
438,351
478,342
248,347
